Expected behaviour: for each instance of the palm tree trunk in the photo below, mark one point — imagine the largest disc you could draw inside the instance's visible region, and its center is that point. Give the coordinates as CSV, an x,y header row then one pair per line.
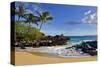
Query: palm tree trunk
x,y
18,18
41,25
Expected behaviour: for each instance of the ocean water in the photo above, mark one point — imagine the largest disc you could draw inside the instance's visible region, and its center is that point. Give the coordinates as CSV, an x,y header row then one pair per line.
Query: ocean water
x,y
77,39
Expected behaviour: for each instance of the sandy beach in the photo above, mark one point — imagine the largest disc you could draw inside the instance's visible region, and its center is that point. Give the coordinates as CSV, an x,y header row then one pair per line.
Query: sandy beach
x,y
26,58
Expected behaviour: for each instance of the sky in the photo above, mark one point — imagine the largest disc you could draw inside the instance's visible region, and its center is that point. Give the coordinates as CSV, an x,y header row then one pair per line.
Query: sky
x,y
70,20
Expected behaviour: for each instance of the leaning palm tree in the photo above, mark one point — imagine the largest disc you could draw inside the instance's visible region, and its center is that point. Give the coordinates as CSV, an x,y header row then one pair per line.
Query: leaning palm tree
x,y
43,18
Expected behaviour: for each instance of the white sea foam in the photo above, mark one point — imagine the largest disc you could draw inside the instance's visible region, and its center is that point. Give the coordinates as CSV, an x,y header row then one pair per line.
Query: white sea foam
x,y
58,50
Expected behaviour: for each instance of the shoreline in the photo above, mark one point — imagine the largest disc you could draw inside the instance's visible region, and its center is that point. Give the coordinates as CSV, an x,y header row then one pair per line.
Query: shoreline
x,y
54,50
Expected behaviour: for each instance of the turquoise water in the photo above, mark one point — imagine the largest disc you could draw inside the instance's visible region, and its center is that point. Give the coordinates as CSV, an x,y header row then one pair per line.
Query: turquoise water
x,y
77,39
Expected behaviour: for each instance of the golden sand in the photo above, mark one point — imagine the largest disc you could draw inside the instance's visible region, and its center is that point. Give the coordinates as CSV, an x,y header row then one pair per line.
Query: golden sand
x,y
26,58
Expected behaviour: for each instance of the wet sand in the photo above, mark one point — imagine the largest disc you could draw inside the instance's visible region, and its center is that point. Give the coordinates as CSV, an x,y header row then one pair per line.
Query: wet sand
x,y
29,58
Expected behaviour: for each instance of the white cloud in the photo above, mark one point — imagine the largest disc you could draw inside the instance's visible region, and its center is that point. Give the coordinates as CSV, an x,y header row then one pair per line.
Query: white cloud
x,y
90,17
88,12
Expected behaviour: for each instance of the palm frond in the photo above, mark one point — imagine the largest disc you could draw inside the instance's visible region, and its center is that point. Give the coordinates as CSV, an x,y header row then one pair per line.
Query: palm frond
x,y
45,14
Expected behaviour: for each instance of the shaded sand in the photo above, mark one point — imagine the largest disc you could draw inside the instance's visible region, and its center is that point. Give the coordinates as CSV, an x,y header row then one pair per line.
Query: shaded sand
x,y
26,58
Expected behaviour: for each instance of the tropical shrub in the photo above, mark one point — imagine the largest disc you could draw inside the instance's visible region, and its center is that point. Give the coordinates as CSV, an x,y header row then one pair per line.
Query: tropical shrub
x,y
24,32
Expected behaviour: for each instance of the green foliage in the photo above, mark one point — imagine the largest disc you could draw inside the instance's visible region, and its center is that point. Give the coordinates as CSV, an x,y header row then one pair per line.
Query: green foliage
x,y
23,32
44,17
30,18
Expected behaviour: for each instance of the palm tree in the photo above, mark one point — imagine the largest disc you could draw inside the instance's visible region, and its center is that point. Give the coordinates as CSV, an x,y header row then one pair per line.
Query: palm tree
x,y
31,19
43,18
20,10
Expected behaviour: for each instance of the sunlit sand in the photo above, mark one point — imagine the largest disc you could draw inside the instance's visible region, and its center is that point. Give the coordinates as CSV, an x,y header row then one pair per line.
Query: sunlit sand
x,y
24,58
